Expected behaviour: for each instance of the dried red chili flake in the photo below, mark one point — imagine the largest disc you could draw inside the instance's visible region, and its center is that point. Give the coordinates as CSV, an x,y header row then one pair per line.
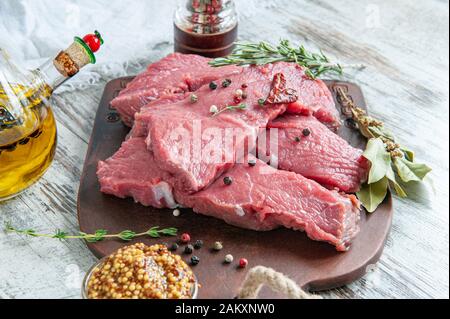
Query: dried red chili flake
x,y
280,94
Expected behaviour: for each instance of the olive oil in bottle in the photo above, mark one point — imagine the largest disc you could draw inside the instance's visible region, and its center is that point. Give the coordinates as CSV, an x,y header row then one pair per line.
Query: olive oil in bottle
x,y
28,134
26,151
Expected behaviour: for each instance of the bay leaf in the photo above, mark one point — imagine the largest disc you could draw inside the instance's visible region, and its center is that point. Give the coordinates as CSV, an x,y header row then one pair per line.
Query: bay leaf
x,y
366,132
372,195
381,131
379,158
393,181
411,172
410,155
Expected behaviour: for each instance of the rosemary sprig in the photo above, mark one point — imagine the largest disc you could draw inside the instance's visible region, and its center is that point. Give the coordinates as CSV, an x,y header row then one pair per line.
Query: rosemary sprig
x,y
246,53
241,106
99,235
391,163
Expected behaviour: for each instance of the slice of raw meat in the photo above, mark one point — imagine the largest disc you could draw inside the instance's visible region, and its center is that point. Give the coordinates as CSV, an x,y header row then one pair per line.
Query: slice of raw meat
x,y
131,173
190,143
262,198
178,133
167,80
315,99
307,147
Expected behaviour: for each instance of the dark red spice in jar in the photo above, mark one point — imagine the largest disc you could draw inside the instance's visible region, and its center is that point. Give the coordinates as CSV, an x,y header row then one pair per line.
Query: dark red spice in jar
x,y
206,27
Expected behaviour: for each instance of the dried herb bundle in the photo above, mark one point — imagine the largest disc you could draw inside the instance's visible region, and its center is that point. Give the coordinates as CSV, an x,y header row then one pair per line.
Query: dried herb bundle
x,y
391,163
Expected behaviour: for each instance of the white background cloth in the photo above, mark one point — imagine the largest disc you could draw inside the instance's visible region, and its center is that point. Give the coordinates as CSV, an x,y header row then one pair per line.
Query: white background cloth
x,y
34,30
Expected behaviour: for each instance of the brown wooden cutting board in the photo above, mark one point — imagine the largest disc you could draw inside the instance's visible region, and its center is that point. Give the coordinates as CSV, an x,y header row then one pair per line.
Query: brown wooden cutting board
x,y
313,265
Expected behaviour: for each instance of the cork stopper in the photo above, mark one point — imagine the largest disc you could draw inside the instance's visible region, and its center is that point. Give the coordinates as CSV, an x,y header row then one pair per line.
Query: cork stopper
x,y
79,54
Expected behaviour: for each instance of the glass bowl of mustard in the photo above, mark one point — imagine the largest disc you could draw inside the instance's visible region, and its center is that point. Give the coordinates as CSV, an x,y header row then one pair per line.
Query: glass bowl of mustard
x,y
141,272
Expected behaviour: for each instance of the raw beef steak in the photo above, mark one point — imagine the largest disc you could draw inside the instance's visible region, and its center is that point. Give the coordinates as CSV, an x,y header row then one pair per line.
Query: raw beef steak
x,y
131,173
305,146
179,133
167,80
262,198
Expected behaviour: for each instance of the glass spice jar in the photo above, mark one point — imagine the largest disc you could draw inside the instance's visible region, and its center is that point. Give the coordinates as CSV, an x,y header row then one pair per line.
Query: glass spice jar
x,y
206,27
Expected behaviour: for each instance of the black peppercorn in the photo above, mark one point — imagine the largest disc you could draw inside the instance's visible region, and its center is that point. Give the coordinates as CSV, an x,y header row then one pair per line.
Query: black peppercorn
x,y
198,244
195,260
174,247
189,249
306,132
228,181
298,139
213,85
226,83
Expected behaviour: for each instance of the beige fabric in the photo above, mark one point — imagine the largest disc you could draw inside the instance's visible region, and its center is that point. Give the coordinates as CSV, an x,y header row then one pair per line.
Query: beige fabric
x,y
260,276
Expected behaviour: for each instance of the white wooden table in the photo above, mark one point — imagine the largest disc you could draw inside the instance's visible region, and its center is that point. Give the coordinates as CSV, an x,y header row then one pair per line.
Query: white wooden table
x,y
405,46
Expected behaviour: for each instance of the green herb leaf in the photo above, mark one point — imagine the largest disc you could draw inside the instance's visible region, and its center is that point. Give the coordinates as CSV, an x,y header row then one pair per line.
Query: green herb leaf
x,y
389,160
169,232
393,181
60,235
30,232
153,232
247,53
411,172
381,131
127,235
409,155
372,195
99,235
379,158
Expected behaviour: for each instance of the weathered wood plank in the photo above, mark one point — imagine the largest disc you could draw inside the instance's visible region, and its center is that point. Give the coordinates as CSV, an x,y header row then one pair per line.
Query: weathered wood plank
x,y
405,46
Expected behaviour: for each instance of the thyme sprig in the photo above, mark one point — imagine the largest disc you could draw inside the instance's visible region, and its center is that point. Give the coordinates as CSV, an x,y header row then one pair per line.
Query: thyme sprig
x,y
391,163
241,106
97,236
247,53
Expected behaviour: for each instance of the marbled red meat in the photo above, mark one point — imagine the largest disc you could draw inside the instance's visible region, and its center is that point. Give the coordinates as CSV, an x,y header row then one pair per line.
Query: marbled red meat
x,y
159,122
263,198
168,81
321,155
131,173
174,77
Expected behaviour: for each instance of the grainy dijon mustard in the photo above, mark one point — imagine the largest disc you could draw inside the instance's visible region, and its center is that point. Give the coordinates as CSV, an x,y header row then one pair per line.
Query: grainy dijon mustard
x,y
142,272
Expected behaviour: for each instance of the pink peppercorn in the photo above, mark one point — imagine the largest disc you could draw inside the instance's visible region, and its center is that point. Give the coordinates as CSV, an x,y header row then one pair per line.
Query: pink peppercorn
x,y
185,238
243,263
